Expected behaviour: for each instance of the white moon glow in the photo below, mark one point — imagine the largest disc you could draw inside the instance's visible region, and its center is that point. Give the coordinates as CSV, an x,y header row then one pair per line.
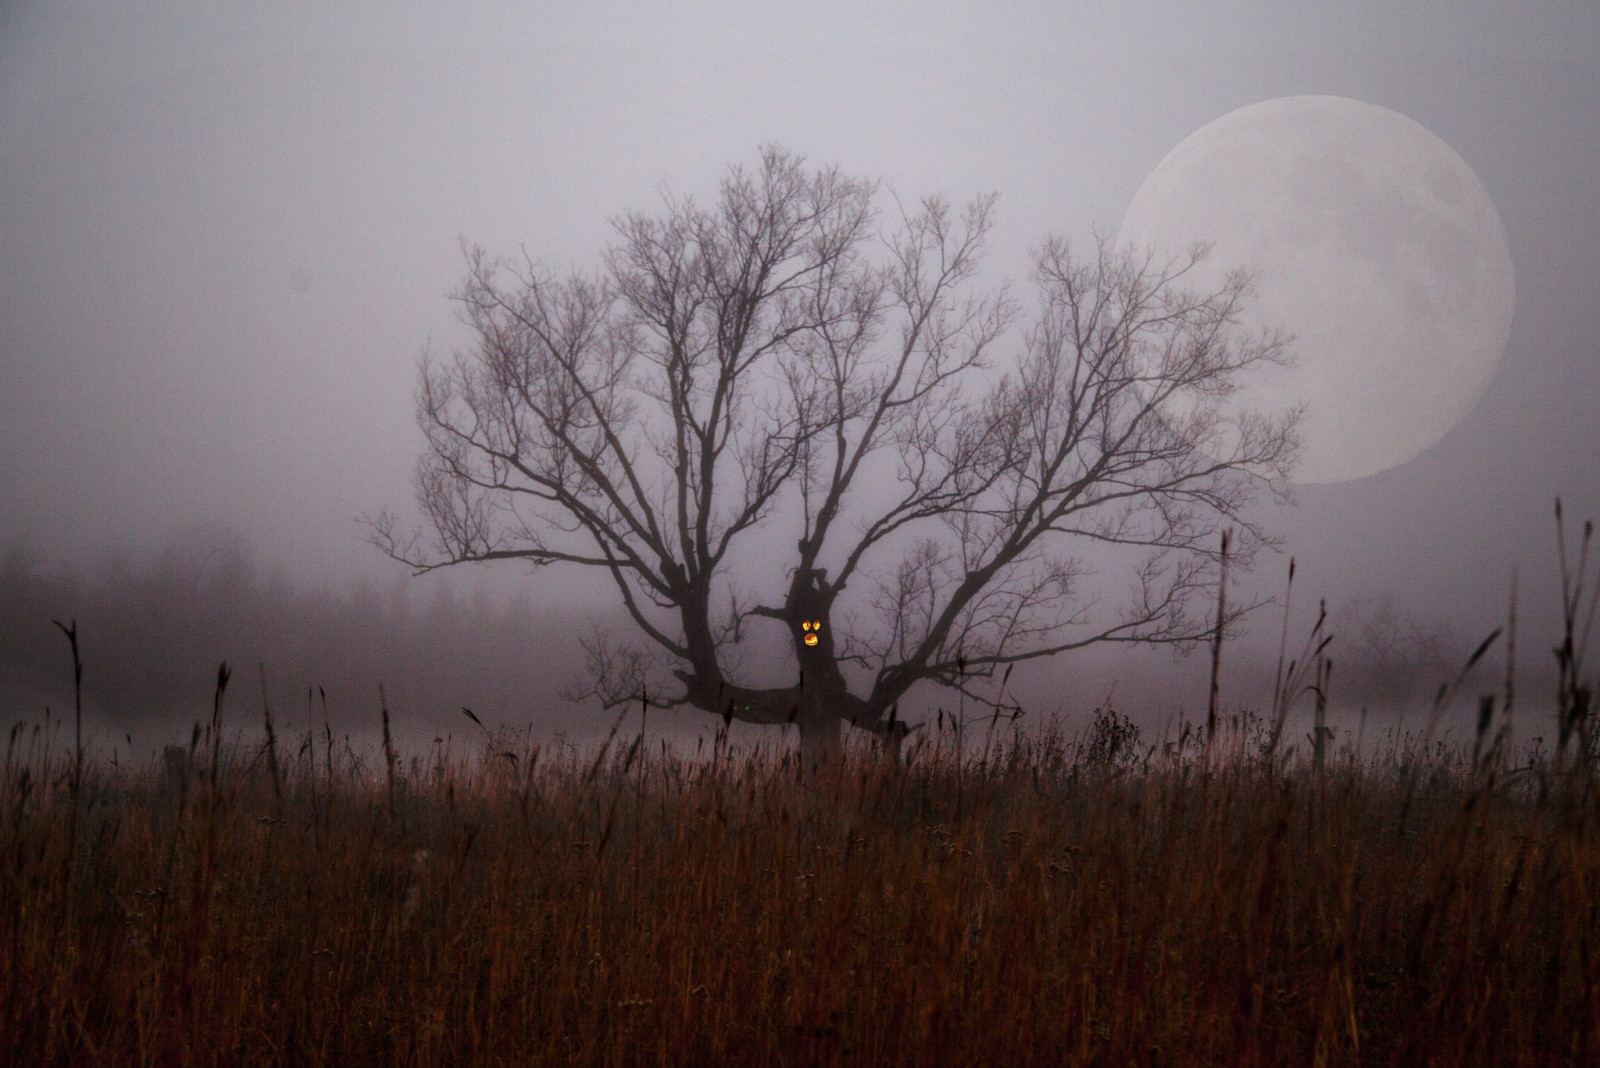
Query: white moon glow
x,y
1378,249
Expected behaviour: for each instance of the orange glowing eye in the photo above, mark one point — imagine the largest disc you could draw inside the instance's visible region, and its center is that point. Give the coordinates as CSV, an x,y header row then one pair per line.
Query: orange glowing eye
x,y
805,626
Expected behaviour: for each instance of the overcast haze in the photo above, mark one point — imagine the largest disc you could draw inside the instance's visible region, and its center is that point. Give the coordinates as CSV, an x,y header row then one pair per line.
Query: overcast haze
x,y
227,231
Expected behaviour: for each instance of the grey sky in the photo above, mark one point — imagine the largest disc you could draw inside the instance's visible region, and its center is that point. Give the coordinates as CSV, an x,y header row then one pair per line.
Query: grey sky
x,y
226,231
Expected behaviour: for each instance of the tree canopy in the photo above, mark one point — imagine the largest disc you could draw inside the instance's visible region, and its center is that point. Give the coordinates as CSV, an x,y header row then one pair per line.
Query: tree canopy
x,y
796,369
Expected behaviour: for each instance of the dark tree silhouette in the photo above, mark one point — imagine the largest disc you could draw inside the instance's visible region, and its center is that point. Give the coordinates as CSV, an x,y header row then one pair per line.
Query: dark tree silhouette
x,y
780,365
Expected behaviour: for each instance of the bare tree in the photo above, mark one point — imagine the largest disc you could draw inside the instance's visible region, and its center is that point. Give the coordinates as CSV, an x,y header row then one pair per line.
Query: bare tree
x,y
1392,649
781,363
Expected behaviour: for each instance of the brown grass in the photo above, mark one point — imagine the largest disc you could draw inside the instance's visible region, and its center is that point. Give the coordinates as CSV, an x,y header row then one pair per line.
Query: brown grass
x,y
1062,903
1052,901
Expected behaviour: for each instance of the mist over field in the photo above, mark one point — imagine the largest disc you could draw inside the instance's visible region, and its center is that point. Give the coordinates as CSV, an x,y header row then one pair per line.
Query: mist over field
x,y
227,236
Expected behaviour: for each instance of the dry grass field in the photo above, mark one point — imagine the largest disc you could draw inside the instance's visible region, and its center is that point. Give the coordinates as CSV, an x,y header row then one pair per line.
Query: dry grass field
x,y
1044,900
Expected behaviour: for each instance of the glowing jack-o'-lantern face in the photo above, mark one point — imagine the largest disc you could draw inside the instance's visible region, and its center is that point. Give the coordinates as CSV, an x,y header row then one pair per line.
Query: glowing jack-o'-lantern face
x,y
812,630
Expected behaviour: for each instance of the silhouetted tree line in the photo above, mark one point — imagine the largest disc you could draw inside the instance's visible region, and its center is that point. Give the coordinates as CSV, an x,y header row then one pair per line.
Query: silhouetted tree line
x,y
154,629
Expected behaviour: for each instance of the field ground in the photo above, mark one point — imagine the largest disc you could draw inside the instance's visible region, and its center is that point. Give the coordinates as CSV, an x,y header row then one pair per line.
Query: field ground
x,y
1043,901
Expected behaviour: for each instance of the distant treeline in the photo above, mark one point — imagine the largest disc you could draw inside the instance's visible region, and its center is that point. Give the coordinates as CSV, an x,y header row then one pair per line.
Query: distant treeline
x,y
154,629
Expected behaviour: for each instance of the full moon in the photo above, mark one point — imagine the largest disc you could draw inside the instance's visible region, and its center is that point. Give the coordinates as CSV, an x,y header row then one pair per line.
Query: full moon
x,y
1374,244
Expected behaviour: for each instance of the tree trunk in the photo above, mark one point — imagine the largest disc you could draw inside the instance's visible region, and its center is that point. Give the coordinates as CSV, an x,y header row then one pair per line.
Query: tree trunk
x,y
821,740
892,739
